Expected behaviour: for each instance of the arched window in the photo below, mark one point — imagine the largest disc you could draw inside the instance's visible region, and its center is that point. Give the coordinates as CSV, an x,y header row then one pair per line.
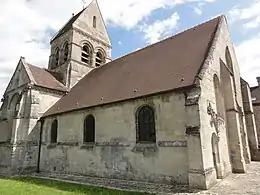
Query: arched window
x,y
89,129
146,124
218,97
86,54
66,51
57,55
99,59
15,104
54,131
229,60
231,68
94,22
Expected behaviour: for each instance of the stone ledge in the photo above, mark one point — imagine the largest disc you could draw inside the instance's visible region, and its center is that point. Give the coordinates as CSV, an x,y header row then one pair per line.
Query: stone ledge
x,y
232,110
172,143
145,147
77,30
52,145
7,143
68,143
25,143
120,144
202,172
4,166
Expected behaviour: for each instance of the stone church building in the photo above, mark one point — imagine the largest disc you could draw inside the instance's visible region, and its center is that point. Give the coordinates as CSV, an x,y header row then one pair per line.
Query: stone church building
x,y
175,112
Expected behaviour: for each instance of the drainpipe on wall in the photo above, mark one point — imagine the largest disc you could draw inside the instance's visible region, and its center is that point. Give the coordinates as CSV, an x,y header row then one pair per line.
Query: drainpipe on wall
x,y
40,145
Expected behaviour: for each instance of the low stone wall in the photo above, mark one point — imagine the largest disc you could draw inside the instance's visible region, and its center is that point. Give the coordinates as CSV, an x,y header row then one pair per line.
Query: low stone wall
x,y
257,119
119,161
24,157
117,184
5,158
4,133
19,158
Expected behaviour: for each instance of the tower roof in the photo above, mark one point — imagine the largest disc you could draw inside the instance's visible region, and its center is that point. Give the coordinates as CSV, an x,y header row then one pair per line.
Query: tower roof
x,y
67,26
93,7
168,65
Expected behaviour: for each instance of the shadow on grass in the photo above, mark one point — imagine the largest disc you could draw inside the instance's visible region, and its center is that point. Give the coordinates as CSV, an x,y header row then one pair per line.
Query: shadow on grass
x,y
70,187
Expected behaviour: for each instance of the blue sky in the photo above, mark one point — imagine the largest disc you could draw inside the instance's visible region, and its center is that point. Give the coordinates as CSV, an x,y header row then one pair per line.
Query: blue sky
x,y
125,41
27,26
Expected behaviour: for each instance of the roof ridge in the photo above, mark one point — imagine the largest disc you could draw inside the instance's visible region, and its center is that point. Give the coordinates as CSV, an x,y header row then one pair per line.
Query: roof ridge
x,y
28,70
73,17
56,34
159,42
210,47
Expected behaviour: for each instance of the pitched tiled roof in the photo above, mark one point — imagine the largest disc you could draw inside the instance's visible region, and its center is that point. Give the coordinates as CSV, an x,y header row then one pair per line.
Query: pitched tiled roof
x,y
168,65
67,26
43,78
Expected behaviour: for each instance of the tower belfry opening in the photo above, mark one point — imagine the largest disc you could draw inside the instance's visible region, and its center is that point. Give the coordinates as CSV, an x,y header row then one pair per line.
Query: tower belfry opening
x,y
76,47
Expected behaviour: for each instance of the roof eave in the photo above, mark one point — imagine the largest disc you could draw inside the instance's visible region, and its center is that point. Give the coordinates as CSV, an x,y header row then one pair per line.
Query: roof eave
x,y
180,89
50,88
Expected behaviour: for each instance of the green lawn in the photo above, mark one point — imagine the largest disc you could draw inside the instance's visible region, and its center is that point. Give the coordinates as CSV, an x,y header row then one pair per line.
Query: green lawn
x,y
33,186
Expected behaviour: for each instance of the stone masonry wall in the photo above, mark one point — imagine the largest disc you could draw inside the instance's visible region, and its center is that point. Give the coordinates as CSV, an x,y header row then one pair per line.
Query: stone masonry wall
x,y
5,133
250,120
212,68
115,153
257,119
22,153
5,158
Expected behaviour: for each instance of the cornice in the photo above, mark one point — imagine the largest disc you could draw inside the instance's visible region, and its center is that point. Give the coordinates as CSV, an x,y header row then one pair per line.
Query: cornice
x,y
77,30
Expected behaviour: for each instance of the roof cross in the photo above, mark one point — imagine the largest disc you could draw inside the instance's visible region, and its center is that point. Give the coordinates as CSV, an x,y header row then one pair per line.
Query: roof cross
x,y
84,3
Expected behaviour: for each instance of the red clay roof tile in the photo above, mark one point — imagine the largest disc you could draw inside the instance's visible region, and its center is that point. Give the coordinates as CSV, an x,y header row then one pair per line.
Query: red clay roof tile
x,y
168,65
45,79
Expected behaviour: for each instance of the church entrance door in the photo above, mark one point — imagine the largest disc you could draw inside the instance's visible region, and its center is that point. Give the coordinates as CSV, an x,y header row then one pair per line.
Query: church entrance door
x,y
215,153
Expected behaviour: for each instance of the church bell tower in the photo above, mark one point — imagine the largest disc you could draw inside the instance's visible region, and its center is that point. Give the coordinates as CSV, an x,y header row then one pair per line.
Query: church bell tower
x,y
81,45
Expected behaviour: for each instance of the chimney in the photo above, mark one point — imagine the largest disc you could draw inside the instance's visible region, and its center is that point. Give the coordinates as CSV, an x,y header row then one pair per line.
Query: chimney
x,y
258,80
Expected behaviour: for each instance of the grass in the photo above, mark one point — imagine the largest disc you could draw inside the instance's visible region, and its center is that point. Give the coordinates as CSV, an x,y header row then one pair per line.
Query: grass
x,y
34,186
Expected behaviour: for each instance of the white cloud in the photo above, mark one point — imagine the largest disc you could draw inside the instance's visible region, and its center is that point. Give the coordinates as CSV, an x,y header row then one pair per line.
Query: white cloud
x,y
160,29
249,15
248,55
24,32
197,10
128,13
253,23
120,43
247,51
27,25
